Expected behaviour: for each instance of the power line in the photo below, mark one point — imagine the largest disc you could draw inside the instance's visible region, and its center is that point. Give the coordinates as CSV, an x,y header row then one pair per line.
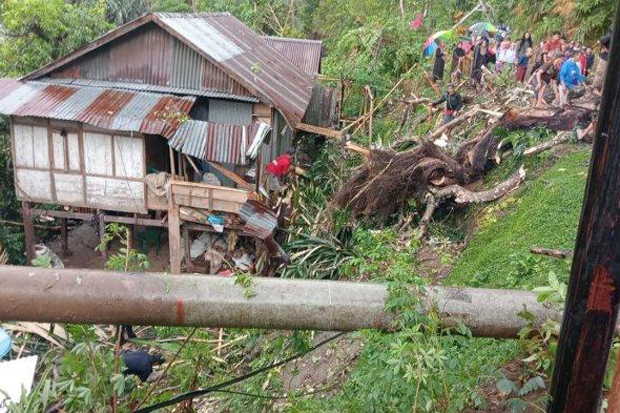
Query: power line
x,y
199,393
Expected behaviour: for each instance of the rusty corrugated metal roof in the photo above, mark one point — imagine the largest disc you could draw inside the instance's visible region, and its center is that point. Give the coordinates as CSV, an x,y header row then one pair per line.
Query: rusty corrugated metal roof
x,y
105,108
216,94
231,48
246,56
217,142
303,53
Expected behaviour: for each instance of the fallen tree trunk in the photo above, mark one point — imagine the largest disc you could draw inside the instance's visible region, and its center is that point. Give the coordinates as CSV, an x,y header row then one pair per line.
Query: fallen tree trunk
x,y
389,179
464,196
104,297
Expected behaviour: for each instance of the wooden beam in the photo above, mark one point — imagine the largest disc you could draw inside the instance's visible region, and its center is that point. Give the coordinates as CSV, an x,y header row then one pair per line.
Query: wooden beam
x,y
593,296
173,171
357,148
186,249
101,220
231,175
84,216
330,133
28,231
64,237
174,238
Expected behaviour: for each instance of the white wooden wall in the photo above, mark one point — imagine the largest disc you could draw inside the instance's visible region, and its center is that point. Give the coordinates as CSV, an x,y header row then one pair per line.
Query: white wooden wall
x,y
97,169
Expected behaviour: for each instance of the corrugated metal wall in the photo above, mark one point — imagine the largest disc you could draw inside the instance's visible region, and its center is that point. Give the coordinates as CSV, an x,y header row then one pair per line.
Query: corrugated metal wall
x,y
151,56
226,111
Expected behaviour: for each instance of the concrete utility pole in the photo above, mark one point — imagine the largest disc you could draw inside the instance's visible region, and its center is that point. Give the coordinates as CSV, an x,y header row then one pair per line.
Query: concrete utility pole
x,y
591,307
94,296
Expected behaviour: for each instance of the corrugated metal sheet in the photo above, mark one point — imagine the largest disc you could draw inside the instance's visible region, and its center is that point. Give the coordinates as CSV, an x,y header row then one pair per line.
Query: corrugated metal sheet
x,y
223,111
303,53
151,57
237,60
259,219
105,108
217,142
246,56
148,88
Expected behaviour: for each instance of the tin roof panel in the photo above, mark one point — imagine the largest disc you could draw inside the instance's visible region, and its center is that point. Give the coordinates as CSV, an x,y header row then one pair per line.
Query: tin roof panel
x,y
106,108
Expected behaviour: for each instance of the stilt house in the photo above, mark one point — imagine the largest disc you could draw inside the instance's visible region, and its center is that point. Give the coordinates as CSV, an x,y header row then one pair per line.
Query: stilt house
x,y
166,121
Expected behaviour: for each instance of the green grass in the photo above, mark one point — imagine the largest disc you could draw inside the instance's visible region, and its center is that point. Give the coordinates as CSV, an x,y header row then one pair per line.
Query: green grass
x,y
544,212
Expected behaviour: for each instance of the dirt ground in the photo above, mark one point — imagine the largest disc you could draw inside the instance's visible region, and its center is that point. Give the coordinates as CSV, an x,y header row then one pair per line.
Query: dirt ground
x,y
324,370
83,239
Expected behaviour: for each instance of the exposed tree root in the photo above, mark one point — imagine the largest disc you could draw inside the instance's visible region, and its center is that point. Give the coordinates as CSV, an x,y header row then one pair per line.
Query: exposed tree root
x,y
431,175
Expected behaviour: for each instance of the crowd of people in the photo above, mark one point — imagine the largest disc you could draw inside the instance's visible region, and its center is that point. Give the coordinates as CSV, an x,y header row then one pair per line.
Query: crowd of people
x,y
554,69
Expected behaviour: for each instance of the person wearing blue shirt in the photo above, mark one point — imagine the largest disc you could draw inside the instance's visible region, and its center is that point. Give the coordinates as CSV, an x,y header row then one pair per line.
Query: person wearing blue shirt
x,y
570,79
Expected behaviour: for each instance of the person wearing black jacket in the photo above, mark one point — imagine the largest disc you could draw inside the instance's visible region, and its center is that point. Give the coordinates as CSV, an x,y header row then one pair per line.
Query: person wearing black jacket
x,y
454,103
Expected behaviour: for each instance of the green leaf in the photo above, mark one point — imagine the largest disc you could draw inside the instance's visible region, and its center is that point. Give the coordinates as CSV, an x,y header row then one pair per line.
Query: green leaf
x,y
506,386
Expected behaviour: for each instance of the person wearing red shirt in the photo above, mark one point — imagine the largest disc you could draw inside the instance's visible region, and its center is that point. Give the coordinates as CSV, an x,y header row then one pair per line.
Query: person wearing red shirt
x,y
279,168
555,44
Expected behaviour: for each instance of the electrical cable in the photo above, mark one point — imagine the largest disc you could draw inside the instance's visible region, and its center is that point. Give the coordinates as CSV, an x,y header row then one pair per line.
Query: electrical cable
x,y
198,393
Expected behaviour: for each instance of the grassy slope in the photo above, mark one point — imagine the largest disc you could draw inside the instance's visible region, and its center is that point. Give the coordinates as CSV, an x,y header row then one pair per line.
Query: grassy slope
x,y
545,212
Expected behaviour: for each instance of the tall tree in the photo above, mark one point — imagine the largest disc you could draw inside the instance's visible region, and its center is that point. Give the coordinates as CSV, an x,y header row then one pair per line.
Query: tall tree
x,y
38,31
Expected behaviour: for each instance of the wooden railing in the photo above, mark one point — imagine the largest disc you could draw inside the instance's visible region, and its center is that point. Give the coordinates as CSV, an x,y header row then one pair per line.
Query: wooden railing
x,y
210,197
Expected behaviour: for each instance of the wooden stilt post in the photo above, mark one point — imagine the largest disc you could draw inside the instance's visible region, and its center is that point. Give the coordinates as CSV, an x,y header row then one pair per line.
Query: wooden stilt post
x,y
174,238
28,231
100,218
64,237
172,166
186,246
592,301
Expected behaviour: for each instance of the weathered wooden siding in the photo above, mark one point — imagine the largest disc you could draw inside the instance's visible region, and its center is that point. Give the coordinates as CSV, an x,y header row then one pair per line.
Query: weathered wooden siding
x,y
65,165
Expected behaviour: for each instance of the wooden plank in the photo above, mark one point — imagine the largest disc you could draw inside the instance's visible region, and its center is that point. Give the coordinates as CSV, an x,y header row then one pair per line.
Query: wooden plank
x,y
24,150
202,190
98,154
40,141
330,133
69,188
33,185
63,214
50,160
172,166
129,157
28,231
115,194
64,237
208,204
231,175
100,218
186,248
174,238
82,160
146,222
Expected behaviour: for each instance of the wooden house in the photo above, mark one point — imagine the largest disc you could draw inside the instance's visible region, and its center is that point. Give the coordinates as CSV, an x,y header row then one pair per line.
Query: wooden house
x,y
183,94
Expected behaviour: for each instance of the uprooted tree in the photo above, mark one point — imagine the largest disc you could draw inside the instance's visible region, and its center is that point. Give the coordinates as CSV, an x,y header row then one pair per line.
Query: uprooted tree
x,y
431,175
